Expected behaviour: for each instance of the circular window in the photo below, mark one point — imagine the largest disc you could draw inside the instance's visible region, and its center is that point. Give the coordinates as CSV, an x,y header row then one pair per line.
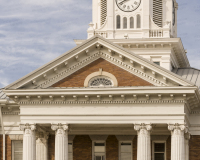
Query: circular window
x,y
100,81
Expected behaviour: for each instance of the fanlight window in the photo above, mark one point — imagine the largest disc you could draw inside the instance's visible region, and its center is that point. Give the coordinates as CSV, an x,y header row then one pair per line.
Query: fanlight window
x,y
101,81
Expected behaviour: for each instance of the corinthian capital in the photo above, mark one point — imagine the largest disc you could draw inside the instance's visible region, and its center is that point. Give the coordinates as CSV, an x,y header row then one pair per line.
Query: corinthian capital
x,y
147,127
23,127
176,126
57,126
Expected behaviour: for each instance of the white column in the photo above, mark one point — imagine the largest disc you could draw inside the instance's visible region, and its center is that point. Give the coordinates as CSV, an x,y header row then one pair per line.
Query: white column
x,y
187,148
143,141
42,146
29,141
61,141
177,141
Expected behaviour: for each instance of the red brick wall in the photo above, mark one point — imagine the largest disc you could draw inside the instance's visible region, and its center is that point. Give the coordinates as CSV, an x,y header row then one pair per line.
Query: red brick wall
x,y
124,78
112,148
168,148
1,147
82,148
51,147
195,148
135,148
8,148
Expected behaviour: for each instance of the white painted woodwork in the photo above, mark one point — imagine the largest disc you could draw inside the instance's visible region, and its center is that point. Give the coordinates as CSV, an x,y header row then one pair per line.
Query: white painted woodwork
x,y
61,141
29,141
42,147
177,141
144,141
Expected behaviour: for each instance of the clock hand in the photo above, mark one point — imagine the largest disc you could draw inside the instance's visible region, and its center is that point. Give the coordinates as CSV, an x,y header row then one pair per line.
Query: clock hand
x,y
123,1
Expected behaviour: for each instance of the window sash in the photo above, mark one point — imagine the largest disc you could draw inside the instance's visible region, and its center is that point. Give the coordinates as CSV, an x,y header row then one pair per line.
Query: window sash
x,y
125,152
162,153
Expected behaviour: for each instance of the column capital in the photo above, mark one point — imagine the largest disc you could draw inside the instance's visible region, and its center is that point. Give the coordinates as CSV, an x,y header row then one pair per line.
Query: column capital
x,y
187,136
181,127
57,126
140,126
23,127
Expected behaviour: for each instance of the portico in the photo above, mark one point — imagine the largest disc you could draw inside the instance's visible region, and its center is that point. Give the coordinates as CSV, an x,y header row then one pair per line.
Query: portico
x,y
145,134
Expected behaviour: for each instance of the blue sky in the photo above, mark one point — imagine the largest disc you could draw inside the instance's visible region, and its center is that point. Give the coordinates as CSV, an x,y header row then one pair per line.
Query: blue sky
x,y
33,32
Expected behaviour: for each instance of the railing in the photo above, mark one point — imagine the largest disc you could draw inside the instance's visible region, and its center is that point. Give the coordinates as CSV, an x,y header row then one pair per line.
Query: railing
x,y
103,34
156,33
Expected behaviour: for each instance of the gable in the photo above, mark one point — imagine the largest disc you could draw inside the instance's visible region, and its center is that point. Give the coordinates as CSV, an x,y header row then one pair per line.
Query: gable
x,y
89,51
123,77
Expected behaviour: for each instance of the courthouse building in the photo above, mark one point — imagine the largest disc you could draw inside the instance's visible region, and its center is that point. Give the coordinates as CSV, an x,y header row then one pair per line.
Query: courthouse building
x,y
126,93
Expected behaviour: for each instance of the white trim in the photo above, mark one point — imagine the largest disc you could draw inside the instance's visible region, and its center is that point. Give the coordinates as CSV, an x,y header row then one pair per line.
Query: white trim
x,y
120,148
13,148
98,141
72,148
101,73
153,142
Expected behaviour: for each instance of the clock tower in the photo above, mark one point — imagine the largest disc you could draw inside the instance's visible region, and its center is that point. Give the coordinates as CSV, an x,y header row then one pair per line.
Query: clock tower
x,y
130,19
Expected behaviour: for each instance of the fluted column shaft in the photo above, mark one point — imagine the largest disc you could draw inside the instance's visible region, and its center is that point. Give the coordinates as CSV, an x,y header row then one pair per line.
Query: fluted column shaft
x,y
29,141
61,141
177,141
42,146
144,141
187,139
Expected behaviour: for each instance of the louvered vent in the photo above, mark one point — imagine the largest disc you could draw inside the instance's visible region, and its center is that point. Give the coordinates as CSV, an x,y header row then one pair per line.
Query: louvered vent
x,y
158,12
103,11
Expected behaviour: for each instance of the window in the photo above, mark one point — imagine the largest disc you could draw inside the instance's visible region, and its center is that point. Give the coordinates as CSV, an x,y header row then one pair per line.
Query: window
x,y
118,22
159,151
17,150
125,23
70,151
138,21
125,151
100,81
158,63
131,22
99,150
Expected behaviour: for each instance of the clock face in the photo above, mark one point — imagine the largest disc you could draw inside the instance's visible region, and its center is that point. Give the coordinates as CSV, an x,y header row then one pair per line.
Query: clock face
x,y
174,14
128,5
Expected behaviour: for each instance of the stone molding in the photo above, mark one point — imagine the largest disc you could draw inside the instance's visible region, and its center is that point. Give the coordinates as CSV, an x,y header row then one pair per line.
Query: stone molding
x,y
98,137
125,138
99,102
16,137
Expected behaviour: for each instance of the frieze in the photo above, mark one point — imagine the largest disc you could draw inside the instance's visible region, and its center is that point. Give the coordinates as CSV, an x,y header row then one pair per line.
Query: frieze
x,y
99,102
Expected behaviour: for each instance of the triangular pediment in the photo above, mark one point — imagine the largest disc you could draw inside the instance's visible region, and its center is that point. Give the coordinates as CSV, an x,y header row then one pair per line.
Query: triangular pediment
x,y
124,78
90,51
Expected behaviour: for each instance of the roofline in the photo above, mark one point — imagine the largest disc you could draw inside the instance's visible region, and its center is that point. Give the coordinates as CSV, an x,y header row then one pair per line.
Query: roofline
x,y
103,39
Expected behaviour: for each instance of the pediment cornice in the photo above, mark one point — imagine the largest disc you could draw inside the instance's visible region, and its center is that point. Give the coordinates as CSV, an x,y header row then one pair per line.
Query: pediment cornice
x,y
91,50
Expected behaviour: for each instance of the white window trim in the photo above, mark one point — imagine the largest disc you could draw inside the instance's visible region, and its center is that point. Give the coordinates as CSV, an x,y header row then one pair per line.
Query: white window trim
x,y
120,148
153,142
72,148
93,147
13,148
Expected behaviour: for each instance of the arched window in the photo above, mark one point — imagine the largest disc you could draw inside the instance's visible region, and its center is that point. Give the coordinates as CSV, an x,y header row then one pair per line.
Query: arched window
x,y
125,23
100,81
118,22
131,22
138,21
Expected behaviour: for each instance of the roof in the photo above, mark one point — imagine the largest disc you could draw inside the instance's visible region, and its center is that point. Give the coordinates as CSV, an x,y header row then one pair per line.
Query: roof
x,y
2,94
191,74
